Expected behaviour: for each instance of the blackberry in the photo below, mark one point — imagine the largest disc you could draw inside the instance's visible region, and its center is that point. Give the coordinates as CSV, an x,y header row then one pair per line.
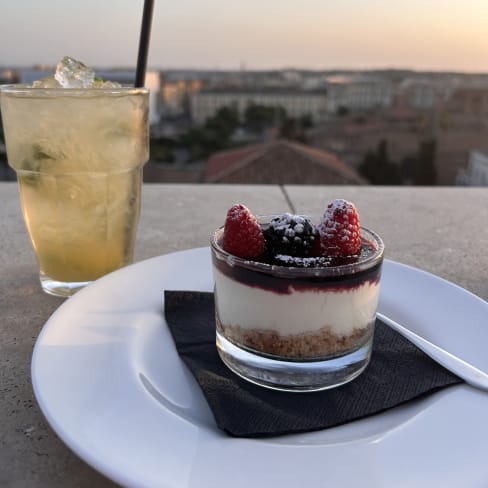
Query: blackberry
x,y
291,235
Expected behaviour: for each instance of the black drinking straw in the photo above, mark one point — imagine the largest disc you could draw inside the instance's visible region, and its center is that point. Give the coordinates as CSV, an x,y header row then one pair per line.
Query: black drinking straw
x,y
144,43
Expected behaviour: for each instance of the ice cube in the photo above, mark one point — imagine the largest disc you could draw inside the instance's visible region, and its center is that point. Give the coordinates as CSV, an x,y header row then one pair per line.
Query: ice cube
x,y
47,82
111,84
99,83
71,73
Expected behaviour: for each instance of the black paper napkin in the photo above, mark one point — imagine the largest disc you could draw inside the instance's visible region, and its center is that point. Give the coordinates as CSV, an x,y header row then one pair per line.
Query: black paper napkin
x,y
398,372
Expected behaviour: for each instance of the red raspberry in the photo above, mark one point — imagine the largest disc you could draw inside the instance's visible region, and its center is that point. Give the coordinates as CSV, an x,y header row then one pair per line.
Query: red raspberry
x,y
243,236
339,229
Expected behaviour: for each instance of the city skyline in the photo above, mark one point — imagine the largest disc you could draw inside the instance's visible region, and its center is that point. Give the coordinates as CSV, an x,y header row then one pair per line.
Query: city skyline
x,y
306,34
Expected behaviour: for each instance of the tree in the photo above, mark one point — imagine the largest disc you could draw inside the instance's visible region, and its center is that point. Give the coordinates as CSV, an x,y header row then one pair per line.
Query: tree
x,y
213,136
306,121
377,167
293,130
224,122
424,171
161,150
202,142
259,117
368,166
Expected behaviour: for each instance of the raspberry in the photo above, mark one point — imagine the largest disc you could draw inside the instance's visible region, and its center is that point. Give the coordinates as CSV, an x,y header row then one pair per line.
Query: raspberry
x,y
339,229
291,235
243,236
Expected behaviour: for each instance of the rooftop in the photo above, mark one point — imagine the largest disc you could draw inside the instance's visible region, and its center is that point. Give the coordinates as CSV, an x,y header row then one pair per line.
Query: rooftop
x,y
280,161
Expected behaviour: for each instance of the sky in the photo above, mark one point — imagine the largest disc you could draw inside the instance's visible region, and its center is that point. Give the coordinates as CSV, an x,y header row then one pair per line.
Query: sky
x,y
437,35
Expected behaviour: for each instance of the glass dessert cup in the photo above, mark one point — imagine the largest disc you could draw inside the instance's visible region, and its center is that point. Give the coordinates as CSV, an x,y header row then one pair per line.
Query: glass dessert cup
x,y
78,154
297,328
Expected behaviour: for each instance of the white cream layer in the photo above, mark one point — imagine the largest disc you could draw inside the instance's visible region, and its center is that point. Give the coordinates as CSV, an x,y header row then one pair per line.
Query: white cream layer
x,y
298,312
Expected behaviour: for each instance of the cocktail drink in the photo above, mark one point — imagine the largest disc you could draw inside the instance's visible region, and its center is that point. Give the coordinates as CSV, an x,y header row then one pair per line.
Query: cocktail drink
x,y
78,153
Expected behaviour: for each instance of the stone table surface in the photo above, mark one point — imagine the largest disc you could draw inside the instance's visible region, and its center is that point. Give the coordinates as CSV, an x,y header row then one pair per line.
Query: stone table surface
x,y
441,230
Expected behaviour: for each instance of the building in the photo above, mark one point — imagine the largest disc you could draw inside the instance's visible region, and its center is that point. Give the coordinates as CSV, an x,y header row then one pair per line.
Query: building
x,y
357,93
467,105
297,103
8,76
279,162
152,81
476,173
351,137
422,94
175,95
172,173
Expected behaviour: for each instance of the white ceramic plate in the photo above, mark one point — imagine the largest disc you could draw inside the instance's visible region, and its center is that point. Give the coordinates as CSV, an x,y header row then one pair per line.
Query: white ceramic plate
x,y
110,383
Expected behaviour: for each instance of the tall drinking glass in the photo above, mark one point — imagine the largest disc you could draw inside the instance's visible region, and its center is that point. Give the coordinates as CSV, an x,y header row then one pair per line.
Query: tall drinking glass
x,y
78,155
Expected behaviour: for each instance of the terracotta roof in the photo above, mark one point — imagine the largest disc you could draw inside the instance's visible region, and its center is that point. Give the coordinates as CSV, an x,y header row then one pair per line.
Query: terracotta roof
x,y
224,166
326,159
223,160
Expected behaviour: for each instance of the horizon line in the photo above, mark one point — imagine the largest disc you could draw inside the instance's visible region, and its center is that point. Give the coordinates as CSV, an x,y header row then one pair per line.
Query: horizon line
x,y
38,66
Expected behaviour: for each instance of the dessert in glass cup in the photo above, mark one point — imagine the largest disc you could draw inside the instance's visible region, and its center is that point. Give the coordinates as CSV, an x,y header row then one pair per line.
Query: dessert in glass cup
x,y
296,301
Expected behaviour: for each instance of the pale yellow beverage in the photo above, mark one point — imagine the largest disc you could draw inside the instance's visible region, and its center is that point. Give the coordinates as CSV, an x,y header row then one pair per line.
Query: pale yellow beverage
x,y
78,154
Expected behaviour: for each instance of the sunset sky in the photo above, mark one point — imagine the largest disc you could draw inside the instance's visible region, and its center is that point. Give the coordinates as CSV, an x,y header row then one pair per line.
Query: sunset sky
x,y
435,35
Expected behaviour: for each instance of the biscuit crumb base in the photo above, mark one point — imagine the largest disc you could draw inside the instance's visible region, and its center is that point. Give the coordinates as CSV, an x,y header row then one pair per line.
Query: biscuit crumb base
x,y
314,345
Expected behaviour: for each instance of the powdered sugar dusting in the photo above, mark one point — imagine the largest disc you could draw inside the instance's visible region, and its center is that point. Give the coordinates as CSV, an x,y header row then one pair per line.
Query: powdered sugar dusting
x,y
340,229
283,223
300,262
290,234
238,212
336,220
243,236
294,240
